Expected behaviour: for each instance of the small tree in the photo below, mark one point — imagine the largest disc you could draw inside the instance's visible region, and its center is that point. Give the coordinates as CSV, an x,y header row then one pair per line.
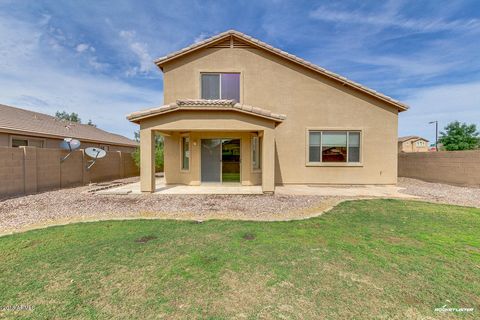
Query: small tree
x,y
459,136
90,123
159,159
72,117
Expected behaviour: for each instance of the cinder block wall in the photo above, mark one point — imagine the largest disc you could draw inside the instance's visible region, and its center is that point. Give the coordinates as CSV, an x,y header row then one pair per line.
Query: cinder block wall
x,y
12,173
28,170
453,167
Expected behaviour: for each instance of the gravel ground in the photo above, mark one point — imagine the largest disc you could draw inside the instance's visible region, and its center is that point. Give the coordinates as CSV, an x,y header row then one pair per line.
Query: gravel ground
x,y
441,193
76,204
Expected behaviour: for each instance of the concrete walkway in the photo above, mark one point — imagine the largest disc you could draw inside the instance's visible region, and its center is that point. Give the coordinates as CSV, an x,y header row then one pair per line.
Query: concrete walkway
x,y
383,191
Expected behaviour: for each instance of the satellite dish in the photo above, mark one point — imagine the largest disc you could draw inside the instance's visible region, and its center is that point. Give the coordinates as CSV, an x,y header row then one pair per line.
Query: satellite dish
x,y
94,153
69,144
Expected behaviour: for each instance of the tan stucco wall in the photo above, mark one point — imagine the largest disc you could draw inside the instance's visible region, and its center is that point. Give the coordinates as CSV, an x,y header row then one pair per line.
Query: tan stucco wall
x,y
206,125
310,101
454,167
174,174
53,143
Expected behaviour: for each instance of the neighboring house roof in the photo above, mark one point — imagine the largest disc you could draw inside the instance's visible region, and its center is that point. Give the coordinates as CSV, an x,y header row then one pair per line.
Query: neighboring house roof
x,y
21,121
406,138
202,104
259,44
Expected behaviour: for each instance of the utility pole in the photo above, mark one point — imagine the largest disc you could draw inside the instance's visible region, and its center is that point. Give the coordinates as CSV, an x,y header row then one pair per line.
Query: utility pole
x,y
436,133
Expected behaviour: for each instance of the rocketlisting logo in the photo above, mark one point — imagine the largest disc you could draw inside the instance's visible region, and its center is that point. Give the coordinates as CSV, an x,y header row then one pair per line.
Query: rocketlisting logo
x,y
445,309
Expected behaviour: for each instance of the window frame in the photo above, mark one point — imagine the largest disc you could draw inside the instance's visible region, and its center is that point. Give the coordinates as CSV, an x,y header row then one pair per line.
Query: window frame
x,y
258,168
308,163
182,139
28,139
239,72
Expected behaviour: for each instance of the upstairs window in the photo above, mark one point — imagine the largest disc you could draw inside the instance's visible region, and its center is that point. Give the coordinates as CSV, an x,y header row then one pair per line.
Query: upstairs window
x,y
221,86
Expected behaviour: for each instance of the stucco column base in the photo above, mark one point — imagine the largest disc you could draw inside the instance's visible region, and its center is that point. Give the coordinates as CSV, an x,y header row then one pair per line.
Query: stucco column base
x,y
147,160
268,161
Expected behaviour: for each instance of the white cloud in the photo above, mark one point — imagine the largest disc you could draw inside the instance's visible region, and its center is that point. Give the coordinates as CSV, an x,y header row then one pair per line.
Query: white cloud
x,y
200,37
83,47
145,60
393,19
29,78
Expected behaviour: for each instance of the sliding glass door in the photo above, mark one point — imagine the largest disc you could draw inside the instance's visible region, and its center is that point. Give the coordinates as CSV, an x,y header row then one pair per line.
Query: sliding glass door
x,y
220,160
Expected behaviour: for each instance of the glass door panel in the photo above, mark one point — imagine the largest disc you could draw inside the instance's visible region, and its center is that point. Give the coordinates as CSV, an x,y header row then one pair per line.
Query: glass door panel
x,y
230,160
211,160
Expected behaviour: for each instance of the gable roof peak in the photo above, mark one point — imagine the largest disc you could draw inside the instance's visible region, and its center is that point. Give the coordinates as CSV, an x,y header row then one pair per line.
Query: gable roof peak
x,y
288,56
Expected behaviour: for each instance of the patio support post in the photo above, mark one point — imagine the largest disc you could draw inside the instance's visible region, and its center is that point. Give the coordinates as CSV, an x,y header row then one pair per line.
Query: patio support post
x,y
147,160
268,161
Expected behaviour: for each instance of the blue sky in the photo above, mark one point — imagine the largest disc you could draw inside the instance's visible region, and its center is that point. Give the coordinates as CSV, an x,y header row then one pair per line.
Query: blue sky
x,y
95,57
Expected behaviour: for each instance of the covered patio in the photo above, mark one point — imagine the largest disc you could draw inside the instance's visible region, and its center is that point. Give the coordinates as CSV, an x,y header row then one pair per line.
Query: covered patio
x,y
209,143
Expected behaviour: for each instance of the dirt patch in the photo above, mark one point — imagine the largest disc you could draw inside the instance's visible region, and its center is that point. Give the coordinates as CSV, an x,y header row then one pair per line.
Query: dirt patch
x,y
248,236
405,241
472,249
145,239
32,243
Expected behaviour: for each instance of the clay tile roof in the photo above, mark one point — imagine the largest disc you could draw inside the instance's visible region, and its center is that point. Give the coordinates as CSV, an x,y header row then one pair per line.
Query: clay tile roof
x,y
406,138
40,124
255,42
203,104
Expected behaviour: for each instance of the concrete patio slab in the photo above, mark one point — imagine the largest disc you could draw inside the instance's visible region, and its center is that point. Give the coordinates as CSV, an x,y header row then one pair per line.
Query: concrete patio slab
x,y
383,191
161,188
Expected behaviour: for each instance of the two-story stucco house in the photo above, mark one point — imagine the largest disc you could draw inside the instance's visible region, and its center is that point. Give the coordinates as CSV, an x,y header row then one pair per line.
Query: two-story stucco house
x,y
239,110
413,144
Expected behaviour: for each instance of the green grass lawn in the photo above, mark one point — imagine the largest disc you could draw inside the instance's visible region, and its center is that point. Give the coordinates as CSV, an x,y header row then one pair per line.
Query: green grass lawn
x,y
364,259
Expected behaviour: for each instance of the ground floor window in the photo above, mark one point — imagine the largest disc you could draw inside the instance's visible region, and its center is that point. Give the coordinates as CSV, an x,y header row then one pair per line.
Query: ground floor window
x,y
256,153
334,146
185,153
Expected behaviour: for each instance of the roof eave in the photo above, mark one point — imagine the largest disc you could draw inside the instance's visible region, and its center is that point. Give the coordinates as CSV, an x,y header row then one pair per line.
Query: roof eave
x,y
137,118
57,136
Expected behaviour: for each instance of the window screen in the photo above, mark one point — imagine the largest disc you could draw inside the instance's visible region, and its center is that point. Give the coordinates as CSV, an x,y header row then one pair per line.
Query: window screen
x,y
256,153
19,143
314,147
210,86
354,147
185,153
230,86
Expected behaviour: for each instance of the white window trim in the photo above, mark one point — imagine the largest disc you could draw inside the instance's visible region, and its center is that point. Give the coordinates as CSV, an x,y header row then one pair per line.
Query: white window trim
x,y
220,71
189,152
333,164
